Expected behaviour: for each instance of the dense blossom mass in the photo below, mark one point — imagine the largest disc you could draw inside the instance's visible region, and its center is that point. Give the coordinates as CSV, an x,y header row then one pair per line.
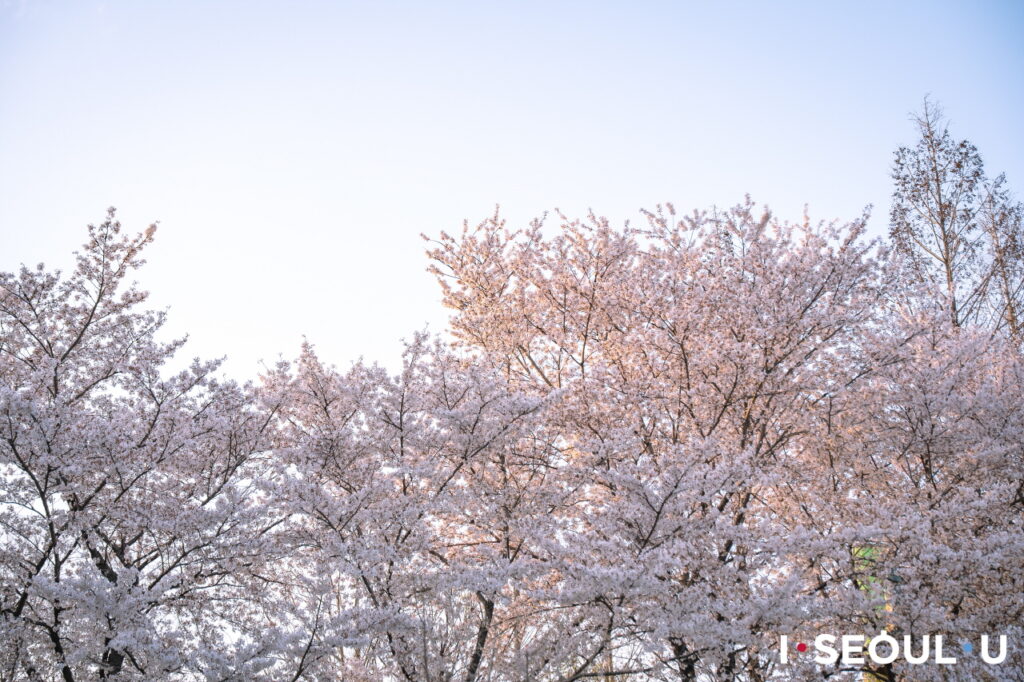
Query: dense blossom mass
x,y
640,454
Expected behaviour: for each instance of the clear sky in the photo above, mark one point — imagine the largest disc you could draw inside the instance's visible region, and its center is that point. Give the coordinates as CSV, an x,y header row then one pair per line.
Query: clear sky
x,y
294,151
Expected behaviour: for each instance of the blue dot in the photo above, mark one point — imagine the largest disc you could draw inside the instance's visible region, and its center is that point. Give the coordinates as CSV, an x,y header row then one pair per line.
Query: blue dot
x,y
968,647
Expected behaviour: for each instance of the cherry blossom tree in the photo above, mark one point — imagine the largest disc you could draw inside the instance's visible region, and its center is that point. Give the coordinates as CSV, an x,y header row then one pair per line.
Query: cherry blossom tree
x,y
695,361
642,453
713,382
128,509
427,506
932,466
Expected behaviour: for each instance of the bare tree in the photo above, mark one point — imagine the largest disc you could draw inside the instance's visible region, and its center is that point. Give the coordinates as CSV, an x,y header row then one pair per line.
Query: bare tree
x,y
939,187
1001,219
959,231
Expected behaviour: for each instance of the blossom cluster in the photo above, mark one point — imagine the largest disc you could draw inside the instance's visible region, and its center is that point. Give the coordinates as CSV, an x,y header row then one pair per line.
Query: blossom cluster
x,y
639,454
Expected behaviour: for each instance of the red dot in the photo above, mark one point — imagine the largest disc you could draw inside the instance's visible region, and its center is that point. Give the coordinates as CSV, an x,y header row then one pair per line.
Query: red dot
x,y
801,647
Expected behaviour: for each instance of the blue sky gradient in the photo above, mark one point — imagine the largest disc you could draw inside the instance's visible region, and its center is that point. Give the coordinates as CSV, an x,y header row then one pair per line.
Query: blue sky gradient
x,y
293,152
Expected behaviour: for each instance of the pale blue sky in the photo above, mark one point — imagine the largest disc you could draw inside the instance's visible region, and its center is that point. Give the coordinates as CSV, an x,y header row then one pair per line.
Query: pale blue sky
x,y
293,151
